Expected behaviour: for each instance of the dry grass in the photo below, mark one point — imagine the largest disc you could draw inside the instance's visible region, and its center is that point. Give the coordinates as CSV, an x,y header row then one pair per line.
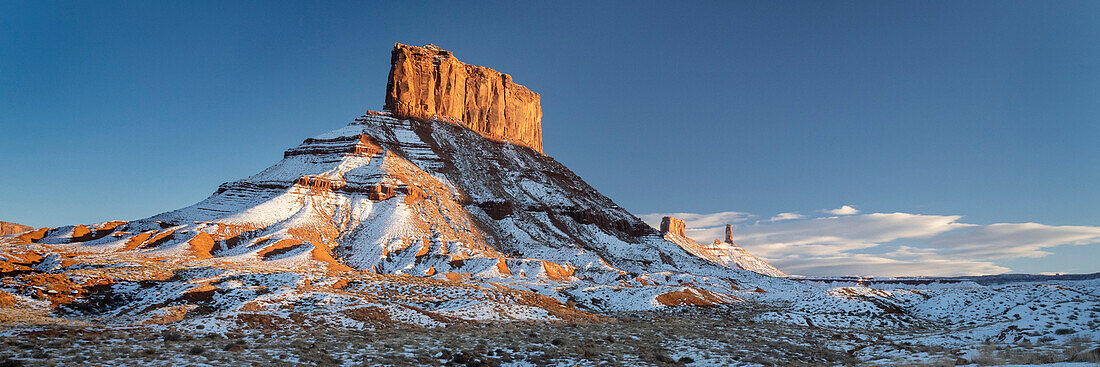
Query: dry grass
x,y
990,354
723,334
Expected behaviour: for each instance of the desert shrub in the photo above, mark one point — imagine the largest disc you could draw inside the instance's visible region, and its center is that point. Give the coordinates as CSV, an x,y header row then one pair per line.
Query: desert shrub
x,y
987,357
1092,356
1083,339
1024,356
990,354
1076,344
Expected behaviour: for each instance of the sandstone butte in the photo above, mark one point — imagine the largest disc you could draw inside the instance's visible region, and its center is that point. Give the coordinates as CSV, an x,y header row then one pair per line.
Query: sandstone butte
x,y
7,228
672,225
429,82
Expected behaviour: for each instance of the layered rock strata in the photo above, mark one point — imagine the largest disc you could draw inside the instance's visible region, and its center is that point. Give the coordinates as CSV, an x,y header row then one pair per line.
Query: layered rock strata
x,y
672,225
7,228
429,82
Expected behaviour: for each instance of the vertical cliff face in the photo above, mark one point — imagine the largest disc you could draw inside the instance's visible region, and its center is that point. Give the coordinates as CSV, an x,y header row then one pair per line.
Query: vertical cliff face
x,y
7,228
672,225
428,82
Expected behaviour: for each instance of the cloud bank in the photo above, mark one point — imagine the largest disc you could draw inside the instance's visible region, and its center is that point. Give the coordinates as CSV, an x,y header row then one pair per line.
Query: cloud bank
x,y
883,244
843,210
786,216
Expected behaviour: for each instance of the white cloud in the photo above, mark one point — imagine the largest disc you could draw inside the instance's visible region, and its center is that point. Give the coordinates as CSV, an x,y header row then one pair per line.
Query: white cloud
x,y
698,220
887,244
786,216
843,210
885,266
828,235
1014,240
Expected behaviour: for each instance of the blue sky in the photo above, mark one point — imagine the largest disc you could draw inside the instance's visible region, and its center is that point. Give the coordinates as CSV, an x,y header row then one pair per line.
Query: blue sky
x,y
984,110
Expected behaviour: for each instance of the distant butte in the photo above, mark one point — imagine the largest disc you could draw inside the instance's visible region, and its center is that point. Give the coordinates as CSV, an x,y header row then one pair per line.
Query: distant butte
x,y
429,82
672,225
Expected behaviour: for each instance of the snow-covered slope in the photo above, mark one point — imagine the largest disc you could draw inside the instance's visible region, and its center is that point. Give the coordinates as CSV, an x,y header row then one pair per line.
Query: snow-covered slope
x,y
381,196
946,312
728,254
418,191
424,198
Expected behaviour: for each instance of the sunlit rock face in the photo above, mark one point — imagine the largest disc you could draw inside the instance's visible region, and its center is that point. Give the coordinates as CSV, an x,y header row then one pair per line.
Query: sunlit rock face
x,y
672,225
7,228
427,82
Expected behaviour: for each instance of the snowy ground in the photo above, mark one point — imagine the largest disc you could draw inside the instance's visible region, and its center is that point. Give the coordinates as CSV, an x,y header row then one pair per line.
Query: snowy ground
x,y
73,308
693,336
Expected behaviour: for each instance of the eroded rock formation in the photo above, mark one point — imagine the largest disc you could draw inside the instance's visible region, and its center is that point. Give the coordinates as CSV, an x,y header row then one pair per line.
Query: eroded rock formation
x,y
724,252
672,225
428,82
7,228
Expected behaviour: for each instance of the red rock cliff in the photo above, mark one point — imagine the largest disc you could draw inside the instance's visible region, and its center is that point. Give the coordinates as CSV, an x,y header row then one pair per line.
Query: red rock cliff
x,y
7,228
429,81
672,225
